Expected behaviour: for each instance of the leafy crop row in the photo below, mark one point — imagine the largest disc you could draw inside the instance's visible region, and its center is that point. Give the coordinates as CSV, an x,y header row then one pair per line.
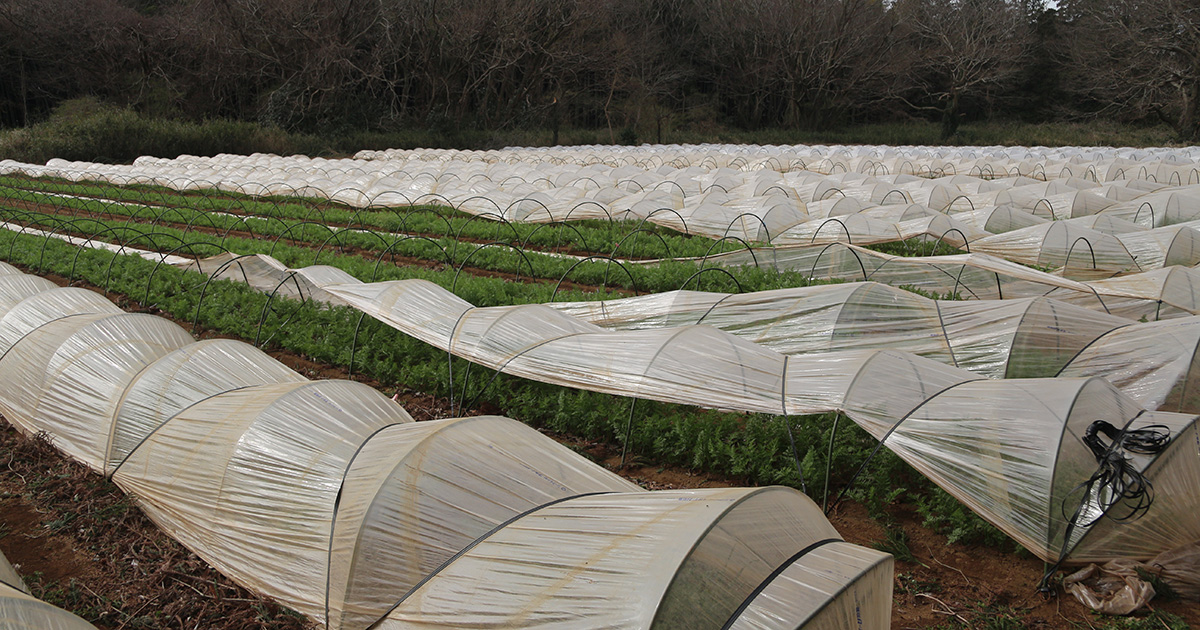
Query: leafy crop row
x,y
607,238
315,244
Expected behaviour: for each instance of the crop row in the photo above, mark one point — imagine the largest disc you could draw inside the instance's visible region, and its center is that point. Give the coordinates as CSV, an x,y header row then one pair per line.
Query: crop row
x,y
323,245
498,256
617,238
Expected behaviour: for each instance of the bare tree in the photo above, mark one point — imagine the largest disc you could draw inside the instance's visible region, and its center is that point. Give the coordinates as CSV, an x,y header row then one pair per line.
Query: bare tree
x,y
61,49
958,49
1139,57
799,62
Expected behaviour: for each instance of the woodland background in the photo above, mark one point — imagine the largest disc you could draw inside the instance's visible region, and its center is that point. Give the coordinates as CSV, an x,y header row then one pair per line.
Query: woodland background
x,y
318,75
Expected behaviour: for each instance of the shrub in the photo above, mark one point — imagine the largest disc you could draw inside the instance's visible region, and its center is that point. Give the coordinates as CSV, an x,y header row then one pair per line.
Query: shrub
x,y
87,130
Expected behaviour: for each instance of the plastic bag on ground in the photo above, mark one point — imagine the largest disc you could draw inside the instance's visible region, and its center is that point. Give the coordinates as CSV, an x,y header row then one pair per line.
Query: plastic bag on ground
x,y
1109,590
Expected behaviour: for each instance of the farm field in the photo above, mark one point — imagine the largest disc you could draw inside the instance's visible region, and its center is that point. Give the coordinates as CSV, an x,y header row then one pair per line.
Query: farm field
x,y
917,339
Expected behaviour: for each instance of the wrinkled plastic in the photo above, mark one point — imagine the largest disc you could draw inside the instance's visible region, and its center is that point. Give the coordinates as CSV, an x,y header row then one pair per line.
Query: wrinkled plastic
x,y
19,610
689,364
1108,592
416,494
16,287
564,565
67,376
806,588
1014,463
47,306
184,377
1019,338
1083,253
1180,569
758,194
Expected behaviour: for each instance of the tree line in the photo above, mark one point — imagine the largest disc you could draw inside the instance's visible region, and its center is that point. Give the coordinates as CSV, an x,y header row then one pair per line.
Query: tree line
x,y
628,65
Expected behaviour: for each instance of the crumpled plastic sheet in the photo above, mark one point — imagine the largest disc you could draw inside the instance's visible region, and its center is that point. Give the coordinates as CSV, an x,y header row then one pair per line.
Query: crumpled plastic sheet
x,y
1109,590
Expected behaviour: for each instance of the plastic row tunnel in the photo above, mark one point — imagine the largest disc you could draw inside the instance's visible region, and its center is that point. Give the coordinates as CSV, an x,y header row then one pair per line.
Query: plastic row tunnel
x,y
714,187
1172,291
326,496
1156,294
1155,363
983,435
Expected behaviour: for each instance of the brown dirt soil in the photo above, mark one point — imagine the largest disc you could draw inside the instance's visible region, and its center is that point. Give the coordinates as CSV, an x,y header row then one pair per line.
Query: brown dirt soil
x,y
91,551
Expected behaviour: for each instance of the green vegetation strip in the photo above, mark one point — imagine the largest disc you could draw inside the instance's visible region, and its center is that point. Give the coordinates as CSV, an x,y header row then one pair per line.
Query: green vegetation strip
x,y
313,244
623,238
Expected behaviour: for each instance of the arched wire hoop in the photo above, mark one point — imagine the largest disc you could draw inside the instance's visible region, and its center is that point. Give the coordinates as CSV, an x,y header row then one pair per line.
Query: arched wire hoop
x,y
611,261
480,248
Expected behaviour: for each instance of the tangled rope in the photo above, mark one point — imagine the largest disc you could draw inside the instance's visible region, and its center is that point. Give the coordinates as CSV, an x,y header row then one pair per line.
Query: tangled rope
x,y
1117,490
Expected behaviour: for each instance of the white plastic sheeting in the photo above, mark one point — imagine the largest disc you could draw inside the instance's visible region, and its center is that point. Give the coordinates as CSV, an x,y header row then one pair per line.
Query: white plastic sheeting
x,y
182,378
723,544
687,364
1155,294
822,570
17,287
658,353
67,376
46,306
698,365
1022,338
1158,294
416,494
1017,463
326,495
246,453
1153,363
933,415
20,611
998,339
1082,252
